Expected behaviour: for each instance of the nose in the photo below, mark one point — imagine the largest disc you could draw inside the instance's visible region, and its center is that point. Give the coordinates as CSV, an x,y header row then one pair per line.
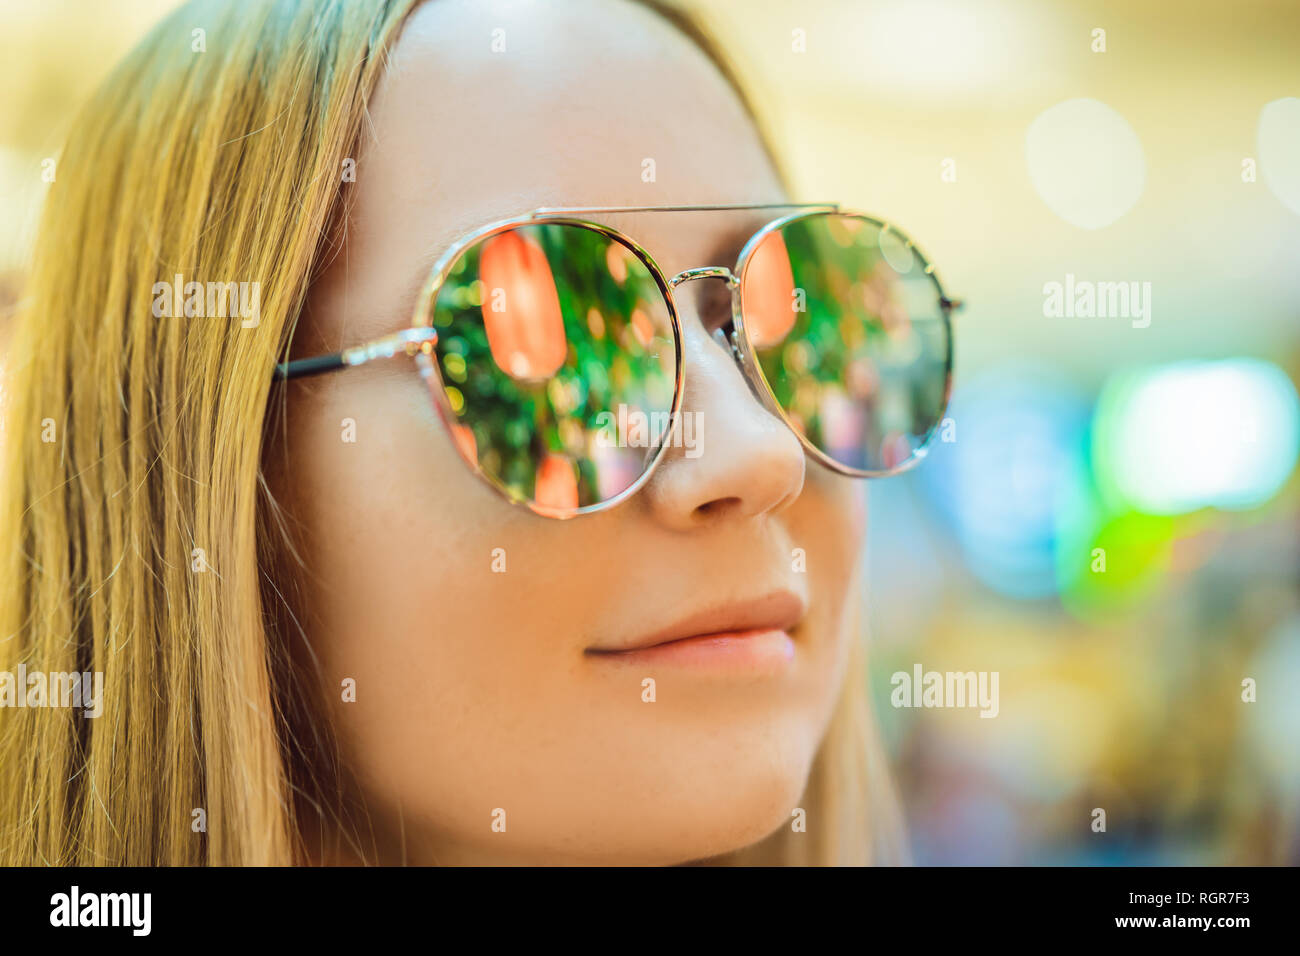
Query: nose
x,y
744,462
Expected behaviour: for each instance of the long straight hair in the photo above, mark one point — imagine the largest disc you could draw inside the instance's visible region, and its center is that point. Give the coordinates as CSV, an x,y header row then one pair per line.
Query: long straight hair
x,y
138,536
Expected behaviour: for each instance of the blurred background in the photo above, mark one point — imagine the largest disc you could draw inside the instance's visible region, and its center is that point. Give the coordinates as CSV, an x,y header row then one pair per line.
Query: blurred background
x,y
1111,520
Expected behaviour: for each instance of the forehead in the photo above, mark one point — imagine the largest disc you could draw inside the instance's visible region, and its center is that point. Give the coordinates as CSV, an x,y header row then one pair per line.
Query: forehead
x,y
491,109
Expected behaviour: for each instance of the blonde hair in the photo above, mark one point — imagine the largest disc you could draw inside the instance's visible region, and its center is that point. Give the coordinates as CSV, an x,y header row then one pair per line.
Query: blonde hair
x,y
220,164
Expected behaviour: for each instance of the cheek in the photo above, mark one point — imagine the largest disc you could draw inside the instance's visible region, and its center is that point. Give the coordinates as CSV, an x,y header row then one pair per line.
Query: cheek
x,y
443,605
858,510
831,515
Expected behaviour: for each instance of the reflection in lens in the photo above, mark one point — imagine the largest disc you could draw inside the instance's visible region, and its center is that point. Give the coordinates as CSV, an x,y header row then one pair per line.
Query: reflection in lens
x,y
556,484
558,360
521,310
850,334
770,312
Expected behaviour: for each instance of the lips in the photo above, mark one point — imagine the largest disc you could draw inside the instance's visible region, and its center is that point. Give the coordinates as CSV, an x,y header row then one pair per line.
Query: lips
x,y
773,612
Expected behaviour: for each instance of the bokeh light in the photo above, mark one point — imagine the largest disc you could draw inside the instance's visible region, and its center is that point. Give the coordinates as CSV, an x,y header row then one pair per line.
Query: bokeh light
x,y
1085,162
1278,142
1191,435
1005,477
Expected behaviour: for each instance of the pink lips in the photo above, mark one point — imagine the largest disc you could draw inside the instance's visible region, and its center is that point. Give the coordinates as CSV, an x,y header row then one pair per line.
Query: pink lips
x,y
743,637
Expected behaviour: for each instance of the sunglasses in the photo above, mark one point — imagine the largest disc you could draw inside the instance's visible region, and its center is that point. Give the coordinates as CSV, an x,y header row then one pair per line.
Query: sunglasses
x,y
552,348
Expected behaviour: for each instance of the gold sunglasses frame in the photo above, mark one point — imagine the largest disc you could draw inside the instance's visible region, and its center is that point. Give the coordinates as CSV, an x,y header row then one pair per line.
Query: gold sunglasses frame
x,y
419,339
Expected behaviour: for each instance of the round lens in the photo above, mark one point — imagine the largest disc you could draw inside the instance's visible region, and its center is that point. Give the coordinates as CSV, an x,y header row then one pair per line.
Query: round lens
x,y
557,357
852,337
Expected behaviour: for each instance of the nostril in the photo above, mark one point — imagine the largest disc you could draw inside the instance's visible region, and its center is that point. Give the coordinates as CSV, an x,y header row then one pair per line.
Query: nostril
x,y
718,506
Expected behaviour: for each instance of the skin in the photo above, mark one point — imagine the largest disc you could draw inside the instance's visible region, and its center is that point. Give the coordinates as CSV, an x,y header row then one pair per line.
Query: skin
x,y
475,689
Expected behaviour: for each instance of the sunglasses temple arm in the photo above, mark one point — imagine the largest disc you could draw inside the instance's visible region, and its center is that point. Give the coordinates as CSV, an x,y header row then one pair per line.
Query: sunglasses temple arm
x,y
301,368
405,342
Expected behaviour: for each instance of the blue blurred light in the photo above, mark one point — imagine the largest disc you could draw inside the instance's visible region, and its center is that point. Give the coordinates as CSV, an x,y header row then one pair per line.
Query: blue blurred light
x,y
1003,481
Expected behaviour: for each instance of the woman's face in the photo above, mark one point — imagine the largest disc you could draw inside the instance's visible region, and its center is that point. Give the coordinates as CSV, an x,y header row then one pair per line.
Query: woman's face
x,y
501,659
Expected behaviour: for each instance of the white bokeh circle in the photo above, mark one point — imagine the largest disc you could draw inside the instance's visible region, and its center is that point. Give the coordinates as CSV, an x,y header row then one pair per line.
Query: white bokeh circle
x,y
1085,162
1277,140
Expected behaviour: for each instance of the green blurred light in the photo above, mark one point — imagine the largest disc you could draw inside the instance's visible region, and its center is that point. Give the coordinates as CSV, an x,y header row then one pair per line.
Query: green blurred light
x,y
1106,560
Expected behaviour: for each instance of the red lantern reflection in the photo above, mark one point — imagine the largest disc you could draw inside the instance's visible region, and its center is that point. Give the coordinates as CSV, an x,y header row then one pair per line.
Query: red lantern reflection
x,y
769,292
557,483
521,309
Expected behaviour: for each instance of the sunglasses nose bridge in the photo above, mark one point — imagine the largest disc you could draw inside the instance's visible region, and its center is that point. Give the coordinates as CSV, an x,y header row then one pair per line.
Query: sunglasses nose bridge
x,y
705,272
731,344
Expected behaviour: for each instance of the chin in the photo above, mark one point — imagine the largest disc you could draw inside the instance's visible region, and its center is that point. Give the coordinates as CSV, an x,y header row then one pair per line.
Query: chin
x,y
722,812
